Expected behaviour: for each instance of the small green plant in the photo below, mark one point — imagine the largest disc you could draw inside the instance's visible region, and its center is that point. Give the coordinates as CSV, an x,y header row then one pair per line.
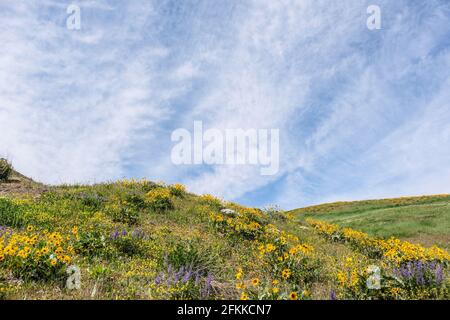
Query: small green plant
x,y
182,284
92,243
5,169
212,201
4,290
190,255
129,244
177,190
135,199
11,214
123,213
159,200
92,200
100,272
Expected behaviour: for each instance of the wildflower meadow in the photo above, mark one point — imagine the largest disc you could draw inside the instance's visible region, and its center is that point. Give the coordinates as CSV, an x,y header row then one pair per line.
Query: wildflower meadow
x,y
136,239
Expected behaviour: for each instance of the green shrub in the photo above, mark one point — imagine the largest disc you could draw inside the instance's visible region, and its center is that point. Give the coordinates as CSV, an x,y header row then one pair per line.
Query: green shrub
x,y
212,201
182,284
190,255
178,190
4,290
135,199
146,186
159,200
11,214
5,169
186,273
123,213
93,243
92,200
129,245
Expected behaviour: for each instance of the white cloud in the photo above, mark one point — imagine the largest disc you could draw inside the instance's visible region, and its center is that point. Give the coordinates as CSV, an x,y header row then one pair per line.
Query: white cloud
x,y
68,112
263,80
361,113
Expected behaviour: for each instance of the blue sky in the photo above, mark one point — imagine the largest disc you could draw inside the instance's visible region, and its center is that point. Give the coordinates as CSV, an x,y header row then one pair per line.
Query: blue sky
x,y
362,113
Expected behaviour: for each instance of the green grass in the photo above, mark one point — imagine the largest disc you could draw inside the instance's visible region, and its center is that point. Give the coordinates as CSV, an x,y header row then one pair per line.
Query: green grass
x,y
425,220
132,237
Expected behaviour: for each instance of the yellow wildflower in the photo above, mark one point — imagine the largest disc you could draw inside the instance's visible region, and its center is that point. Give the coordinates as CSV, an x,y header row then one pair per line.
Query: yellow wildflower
x,y
255,282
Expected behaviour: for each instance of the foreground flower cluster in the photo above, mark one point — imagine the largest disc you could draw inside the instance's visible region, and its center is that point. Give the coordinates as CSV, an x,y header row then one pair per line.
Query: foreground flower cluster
x,y
401,270
39,255
136,239
289,265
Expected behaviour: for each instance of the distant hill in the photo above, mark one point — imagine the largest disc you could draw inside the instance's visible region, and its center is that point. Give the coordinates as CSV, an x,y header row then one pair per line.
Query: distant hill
x,y
421,219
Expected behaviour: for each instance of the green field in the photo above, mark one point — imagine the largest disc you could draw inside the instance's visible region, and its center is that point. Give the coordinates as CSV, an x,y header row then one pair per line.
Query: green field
x,y
424,220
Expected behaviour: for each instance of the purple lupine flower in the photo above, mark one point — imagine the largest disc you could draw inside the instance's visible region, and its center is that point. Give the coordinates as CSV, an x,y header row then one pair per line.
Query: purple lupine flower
x,y
115,235
420,273
439,275
159,279
187,276
208,283
177,275
5,231
404,272
197,278
203,292
332,295
433,265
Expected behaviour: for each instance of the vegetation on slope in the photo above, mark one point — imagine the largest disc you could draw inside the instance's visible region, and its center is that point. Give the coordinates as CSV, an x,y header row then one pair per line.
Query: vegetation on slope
x,y
424,220
15,183
5,169
142,240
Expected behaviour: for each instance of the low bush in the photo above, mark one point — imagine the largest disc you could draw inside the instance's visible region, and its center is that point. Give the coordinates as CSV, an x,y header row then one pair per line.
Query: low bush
x,y
93,244
11,214
39,256
123,213
178,190
5,169
127,243
159,200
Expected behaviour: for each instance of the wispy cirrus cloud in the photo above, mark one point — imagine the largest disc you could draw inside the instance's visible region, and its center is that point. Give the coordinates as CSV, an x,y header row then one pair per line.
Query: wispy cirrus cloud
x,y
73,103
361,113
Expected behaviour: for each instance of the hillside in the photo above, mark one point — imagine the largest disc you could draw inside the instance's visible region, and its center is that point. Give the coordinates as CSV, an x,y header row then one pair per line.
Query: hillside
x,y
143,240
424,219
20,184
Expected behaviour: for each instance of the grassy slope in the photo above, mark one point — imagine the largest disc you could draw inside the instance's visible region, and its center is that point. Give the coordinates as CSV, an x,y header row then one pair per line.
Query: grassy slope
x,y
20,184
123,276
424,220
127,270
